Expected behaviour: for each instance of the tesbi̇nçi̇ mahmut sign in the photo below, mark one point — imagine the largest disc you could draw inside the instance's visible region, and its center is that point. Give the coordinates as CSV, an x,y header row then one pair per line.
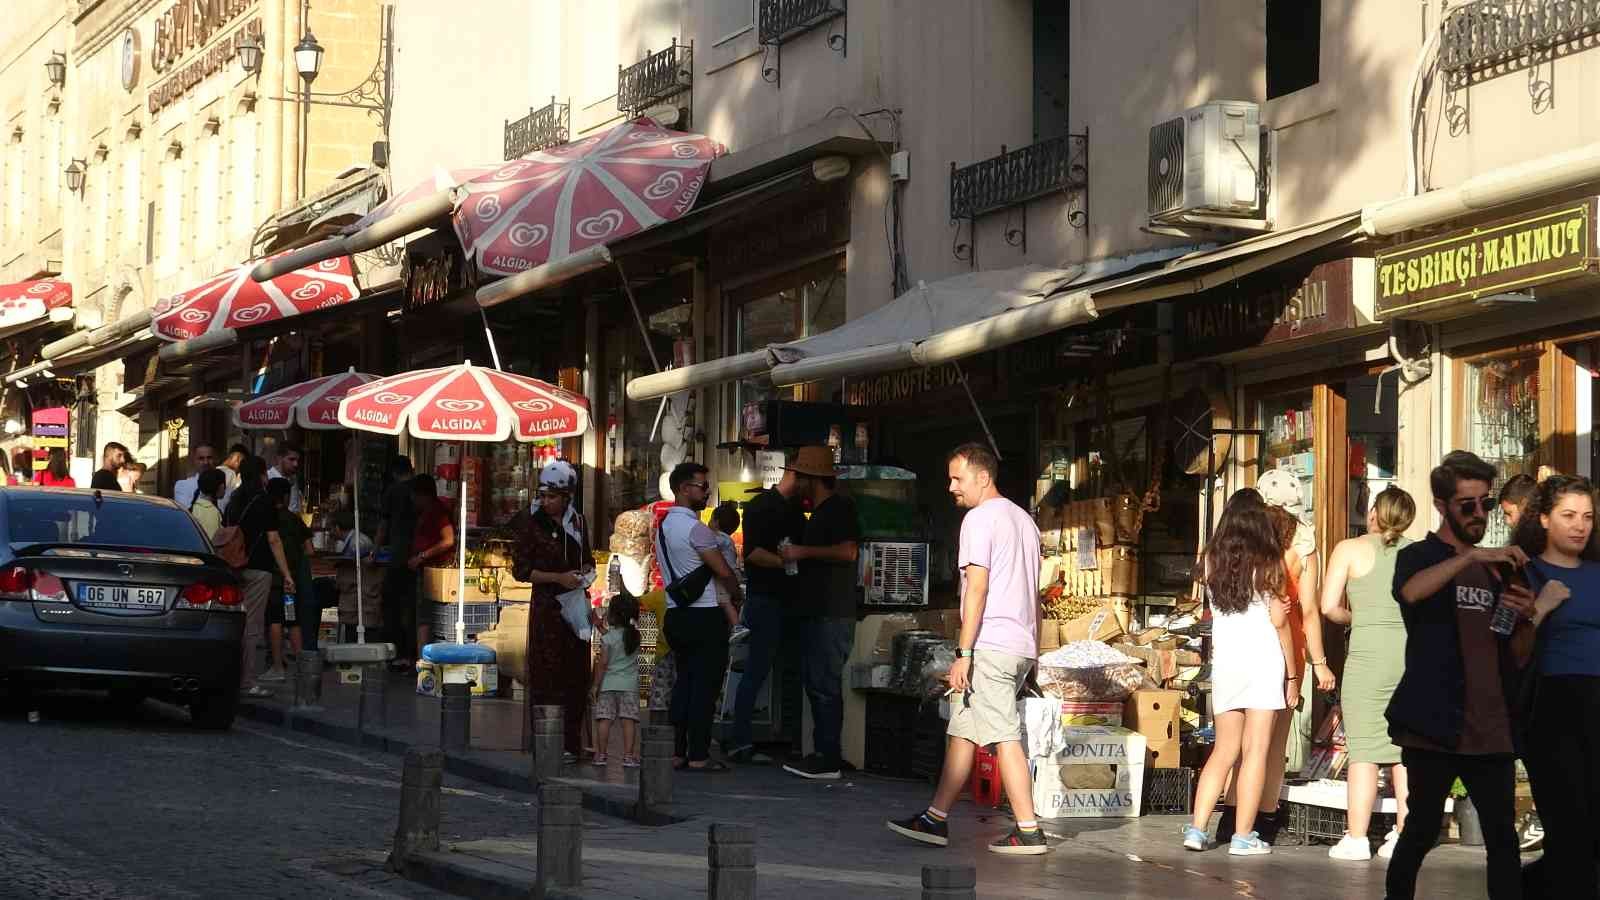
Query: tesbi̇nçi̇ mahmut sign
x,y
1424,277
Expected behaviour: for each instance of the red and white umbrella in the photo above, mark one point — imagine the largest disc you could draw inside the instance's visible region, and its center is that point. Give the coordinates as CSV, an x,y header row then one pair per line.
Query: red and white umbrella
x,y
313,405
23,304
465,403
310,404
556,202
233,300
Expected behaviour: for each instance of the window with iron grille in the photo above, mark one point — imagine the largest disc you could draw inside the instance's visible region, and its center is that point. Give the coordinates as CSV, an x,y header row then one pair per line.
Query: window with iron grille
x,y
655,78
781,20
548,126
1017,176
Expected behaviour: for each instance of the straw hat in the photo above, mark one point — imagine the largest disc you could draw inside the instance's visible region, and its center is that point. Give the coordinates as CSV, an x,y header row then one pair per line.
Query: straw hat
x,y
816,462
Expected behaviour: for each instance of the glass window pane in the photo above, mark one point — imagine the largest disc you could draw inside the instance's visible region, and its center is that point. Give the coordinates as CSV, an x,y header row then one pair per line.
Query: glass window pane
x,y
1287,444
1501,403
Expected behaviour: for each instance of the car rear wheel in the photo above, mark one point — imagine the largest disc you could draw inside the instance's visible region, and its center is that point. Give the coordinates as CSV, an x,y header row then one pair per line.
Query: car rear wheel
x,y
215,708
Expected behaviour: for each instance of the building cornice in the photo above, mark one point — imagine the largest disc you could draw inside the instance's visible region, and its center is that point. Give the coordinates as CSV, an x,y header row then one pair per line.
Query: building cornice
x,y
100,24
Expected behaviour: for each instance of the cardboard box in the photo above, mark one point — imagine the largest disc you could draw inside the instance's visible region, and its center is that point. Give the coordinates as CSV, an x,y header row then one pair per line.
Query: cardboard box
x,y
1163,754
1095,750
1076,712
439,585
1154,714
1100,625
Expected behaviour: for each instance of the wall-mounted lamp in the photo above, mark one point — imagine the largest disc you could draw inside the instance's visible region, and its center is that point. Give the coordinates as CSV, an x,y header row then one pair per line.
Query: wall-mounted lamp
x,y
56,68
76,171
308,58
249,55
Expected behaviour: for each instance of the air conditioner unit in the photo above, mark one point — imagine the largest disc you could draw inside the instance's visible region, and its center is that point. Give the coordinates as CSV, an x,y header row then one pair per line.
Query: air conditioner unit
x,y
1207,161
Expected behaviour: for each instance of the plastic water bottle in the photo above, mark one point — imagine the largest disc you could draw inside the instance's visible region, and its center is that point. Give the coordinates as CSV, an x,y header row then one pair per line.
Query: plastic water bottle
x,y
790,567
1504,620
288,607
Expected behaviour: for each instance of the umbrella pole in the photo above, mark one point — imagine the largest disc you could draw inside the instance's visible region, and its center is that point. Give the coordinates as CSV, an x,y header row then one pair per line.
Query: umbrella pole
x,y
361,598
494,351
461,553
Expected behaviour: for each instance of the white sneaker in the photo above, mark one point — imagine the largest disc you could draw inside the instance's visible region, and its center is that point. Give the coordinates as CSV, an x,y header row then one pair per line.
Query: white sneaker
x,y
1355,849
1389,841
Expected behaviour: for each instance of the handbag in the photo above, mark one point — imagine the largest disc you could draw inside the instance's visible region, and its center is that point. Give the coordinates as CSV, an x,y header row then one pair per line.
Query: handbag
x,y
229,541
687,590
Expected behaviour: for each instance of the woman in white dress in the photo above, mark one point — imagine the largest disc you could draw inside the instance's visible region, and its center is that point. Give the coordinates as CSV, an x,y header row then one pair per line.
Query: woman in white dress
x,y
1252,677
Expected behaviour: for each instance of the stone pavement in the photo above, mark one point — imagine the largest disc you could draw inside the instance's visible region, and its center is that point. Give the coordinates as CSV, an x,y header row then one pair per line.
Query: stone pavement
x,y
828,838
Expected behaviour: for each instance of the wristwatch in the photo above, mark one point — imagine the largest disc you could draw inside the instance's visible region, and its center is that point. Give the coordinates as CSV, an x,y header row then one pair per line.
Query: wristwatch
x,y
963,654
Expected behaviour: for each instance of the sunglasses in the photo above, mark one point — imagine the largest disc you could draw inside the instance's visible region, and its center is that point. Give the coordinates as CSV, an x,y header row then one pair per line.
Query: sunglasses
x,y
702,485
1474,504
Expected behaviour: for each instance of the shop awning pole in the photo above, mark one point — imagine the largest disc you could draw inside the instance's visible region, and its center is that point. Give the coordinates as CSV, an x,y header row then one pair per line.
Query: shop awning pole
x,y
361,599
461,558
644,335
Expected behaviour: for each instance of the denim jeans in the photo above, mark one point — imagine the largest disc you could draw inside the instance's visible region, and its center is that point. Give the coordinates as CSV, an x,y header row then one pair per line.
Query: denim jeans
x,y
827,644
763,617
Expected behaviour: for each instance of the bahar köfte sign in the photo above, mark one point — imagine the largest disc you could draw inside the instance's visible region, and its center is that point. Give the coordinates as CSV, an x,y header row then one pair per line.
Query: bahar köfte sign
x,y
1418,279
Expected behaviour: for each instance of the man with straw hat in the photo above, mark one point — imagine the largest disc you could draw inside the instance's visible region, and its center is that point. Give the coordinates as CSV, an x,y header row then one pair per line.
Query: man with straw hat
x,y
825,604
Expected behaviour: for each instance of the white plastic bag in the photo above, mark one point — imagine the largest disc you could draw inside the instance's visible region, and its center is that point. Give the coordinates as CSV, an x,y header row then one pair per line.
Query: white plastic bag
x,y
575,612
1041,726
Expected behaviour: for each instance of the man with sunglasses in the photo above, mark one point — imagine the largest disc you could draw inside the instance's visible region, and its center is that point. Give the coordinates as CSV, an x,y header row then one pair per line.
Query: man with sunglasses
x,y
1450,713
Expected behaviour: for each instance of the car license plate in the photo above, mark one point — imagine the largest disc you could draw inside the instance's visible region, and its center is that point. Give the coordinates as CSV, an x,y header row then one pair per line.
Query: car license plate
x,y
121,596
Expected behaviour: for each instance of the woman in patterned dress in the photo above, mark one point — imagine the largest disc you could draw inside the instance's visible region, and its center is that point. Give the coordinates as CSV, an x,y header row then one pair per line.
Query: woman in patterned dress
x,y
552,552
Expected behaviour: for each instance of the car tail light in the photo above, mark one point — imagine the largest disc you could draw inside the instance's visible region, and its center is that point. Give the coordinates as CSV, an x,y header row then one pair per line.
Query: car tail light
x,y
201,596
15,583
49,589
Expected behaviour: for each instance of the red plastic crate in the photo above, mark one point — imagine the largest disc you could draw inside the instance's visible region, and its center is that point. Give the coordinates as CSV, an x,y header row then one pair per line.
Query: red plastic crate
x,y
986,787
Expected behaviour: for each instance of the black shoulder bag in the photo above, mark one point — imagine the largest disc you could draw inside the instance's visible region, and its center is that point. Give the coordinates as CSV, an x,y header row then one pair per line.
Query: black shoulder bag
x,y
686,590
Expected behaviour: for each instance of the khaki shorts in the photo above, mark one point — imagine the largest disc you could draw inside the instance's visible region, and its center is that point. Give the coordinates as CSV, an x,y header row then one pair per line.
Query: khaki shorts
x,y
987,712
616,705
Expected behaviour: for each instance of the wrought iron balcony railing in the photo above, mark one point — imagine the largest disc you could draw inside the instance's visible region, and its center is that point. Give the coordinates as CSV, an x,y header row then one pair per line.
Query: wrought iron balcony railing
x,y
548,126
1486,38
781,20
655,78
1017,176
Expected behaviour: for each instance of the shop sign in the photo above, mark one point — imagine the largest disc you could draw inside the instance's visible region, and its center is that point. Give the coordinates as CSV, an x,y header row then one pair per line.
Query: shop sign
x,y
188,24
435,278
216,58
786,229
1503,256
906,385
1265,309
49,432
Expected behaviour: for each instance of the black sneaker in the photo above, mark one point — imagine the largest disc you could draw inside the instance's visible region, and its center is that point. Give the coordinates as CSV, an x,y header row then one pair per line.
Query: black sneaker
x,y
1226,822
921,828
815,768
1268,825
1021,843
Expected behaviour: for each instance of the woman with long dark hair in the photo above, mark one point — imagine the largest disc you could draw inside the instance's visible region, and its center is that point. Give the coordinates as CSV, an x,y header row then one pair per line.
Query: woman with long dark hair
x,y
1245,582
1563,739
55,470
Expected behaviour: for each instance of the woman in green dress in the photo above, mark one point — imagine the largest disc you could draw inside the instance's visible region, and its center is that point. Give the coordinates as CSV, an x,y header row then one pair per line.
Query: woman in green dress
x,y
1358,591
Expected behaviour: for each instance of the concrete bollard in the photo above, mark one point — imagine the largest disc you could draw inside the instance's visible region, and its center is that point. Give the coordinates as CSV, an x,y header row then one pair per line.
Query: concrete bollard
x,y
418,829
548,743
655,766
949,883
731,861
455,716
308,681
560,851
374,709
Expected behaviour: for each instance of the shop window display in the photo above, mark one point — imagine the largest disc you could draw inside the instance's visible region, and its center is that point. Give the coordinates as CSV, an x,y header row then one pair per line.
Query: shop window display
x,y
644,439
1288,441
801,310
1500,400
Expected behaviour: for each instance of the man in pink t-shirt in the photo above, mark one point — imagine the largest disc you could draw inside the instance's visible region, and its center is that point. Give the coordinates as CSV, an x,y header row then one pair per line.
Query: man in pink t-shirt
x,y
999,561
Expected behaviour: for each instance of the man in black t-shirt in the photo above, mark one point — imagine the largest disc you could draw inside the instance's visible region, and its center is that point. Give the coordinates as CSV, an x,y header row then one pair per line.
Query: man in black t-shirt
x,y
827,604
1449,714
770,517
112,459
397,526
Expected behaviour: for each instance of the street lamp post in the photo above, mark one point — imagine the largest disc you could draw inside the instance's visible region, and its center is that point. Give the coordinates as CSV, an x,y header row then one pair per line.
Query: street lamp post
x,y
308,62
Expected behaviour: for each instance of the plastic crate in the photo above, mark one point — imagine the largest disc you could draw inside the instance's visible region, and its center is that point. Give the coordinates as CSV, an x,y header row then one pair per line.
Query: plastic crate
x,y
1327,824
891,727
1167,792
479,617
927,752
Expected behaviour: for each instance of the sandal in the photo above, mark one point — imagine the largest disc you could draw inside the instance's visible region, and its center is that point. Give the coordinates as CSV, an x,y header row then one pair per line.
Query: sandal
x,y
599,759
630,762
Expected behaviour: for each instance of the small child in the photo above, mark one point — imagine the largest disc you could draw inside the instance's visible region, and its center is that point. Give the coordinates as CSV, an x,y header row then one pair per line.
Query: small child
x,y
725,519
615,691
